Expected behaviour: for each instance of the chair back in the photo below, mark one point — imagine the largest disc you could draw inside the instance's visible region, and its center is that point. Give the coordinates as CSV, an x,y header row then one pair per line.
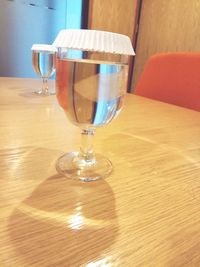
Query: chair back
x,y
172,78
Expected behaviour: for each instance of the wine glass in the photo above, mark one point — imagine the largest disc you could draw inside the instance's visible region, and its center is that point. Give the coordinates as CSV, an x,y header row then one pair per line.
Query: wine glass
x,y
91,82
91,94
43,61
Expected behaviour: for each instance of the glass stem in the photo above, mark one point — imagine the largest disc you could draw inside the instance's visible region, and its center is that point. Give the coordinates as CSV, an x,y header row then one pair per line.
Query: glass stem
x,y
45,85
86,148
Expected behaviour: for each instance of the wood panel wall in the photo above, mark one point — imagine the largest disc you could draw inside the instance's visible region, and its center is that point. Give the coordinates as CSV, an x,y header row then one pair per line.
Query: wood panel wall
x,y
166,26
116,16
113,15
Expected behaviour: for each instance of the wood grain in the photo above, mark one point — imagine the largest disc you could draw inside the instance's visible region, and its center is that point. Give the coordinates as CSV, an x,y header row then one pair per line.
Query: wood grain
x,y
113,15
146,213
166,26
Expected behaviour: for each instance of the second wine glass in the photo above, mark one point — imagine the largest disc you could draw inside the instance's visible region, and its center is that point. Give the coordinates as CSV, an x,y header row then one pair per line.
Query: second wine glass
x,y
43,61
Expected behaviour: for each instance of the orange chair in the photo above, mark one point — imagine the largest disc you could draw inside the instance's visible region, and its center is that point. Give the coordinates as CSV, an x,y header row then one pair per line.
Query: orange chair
x,y
172,78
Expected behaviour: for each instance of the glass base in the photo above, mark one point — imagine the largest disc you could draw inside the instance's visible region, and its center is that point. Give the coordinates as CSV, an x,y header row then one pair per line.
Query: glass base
x,y
45,93
73,166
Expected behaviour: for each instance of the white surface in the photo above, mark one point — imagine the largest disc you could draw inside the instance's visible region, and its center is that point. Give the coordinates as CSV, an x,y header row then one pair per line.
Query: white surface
x,y
92,40
43,47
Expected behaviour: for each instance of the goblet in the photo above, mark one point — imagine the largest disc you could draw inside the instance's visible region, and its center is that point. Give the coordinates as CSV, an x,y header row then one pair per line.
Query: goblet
x,y
43,61
90,88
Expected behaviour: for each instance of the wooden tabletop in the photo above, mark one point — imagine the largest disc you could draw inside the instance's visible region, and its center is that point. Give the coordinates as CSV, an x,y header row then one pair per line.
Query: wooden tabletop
x,y
146,213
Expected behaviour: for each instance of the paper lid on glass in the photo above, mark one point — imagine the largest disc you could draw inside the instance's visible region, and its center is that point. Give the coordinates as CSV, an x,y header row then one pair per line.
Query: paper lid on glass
x,y
92,40
43,47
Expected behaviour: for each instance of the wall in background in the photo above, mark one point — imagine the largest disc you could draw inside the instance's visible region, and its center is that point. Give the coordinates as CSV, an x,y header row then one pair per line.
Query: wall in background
x,y
23,23
73,14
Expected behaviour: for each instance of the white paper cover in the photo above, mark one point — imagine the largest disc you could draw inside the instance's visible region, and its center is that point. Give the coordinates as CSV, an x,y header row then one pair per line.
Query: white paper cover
x,y
92,40
43,47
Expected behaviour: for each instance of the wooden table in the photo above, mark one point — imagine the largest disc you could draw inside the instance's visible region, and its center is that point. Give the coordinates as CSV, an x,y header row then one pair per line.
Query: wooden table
x,y
147,213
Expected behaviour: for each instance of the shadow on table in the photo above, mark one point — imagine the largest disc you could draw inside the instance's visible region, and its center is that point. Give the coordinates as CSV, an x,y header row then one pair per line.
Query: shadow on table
x,y
64,223
26,91
25,98
29,91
